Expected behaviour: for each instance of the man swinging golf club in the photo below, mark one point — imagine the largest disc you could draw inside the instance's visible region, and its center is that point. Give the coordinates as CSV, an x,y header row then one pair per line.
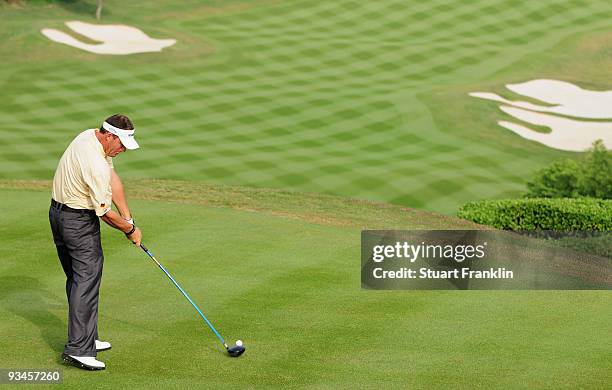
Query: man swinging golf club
x,y
84,185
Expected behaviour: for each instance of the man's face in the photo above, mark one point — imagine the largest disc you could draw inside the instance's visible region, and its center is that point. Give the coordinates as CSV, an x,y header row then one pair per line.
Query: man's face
x,y
113,145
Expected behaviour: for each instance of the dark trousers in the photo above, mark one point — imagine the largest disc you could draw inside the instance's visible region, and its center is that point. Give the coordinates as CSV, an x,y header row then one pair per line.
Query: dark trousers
x,y
76,234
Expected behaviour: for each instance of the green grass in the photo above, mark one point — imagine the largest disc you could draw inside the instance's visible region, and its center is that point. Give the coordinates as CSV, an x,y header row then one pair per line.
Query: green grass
x,y
367,100
315,208
259,114
290,289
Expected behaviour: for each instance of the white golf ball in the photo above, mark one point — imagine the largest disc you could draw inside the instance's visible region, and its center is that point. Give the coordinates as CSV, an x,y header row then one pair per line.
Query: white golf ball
x,y
239,343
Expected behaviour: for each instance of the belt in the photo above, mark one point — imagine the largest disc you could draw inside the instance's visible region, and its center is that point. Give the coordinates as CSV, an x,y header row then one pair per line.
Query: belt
x,y
63,207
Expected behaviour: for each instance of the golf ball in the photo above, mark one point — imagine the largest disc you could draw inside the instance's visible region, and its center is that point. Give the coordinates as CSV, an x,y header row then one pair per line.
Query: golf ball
x,y
239,343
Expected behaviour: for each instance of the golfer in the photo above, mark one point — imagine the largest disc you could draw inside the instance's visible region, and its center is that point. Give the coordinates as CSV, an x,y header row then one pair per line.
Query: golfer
x,y
84,186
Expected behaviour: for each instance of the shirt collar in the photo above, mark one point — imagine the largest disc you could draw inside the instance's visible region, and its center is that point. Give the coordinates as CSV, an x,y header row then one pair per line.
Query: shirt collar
x,y
98,144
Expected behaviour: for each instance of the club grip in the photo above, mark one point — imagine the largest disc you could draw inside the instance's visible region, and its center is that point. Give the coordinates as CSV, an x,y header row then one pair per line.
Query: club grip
x,y
144,248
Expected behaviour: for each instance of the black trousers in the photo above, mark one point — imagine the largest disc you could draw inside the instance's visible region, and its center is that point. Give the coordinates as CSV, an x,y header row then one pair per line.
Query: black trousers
x,y
76,234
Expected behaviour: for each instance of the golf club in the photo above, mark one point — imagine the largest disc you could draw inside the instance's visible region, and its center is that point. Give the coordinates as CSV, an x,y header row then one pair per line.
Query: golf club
x,y
233,351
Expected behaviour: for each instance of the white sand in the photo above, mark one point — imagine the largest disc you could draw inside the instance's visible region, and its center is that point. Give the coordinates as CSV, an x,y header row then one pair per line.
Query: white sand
x,y
560,98
566,134
565,98
114,39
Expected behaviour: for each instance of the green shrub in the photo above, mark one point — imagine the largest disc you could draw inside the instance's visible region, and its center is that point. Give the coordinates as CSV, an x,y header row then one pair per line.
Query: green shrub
x,y
559,180
596,178
588,177
541,214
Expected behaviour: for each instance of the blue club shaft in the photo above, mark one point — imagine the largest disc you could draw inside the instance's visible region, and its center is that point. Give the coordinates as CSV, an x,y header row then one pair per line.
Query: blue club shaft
x,y
144,248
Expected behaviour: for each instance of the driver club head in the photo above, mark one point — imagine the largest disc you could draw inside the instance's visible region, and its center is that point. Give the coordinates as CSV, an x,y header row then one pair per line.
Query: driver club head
x,y
236,350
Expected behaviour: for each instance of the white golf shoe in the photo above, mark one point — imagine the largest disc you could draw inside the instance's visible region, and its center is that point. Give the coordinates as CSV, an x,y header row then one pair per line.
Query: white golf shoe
x,y
102,346
84,362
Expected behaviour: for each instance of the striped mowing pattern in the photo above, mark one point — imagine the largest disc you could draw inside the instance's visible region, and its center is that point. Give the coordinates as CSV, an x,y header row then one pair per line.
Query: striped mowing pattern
x,y
343,97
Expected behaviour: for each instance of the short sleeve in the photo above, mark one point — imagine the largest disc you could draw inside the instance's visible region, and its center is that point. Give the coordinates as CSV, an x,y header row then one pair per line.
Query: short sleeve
x,y
97,177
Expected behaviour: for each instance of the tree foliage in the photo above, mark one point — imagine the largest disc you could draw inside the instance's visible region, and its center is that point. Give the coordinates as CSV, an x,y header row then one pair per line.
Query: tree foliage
x,y
589,177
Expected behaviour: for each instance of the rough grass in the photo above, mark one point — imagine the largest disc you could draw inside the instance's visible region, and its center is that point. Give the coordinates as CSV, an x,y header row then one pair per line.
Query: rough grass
x,y
314,208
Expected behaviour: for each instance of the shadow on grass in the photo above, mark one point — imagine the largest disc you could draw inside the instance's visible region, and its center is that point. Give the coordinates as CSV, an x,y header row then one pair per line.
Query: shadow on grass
x,y
26,297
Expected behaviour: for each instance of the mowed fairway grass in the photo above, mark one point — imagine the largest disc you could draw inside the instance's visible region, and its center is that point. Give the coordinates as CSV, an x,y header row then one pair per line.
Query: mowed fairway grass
x,y
365,100
284,278
360,99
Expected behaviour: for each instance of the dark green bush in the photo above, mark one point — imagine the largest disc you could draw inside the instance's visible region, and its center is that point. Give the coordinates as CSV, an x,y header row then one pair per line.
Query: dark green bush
x,y
589,177
559,180
596,178
541,214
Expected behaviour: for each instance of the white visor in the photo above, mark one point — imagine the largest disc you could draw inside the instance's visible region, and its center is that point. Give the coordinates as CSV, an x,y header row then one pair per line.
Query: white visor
x,y
126,136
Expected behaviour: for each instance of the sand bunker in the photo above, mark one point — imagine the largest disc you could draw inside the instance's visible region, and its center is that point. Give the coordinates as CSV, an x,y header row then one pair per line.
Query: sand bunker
x,y
566,134
114,39
561,98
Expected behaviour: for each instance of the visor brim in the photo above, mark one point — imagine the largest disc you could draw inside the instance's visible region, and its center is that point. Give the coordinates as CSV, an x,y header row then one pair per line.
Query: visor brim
x,y
129,142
